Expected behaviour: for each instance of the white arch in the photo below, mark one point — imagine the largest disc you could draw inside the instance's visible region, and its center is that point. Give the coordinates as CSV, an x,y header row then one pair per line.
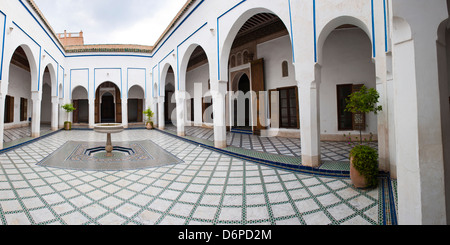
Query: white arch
x,y
53,78
231,33
32,62
185,62
332,25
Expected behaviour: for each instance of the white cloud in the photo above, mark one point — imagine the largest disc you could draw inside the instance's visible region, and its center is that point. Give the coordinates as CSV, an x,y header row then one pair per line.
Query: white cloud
x,y
112,21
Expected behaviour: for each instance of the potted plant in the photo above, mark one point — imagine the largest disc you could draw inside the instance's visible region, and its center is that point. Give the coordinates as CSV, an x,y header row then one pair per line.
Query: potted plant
x,y
149,114
68,108
363,158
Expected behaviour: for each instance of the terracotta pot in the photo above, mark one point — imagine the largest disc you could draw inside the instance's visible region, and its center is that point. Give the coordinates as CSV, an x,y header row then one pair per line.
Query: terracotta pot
x,y
149,126
358,180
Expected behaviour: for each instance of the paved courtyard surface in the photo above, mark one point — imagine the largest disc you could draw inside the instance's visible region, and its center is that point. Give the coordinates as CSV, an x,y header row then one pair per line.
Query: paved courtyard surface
x,y
331,151
208,187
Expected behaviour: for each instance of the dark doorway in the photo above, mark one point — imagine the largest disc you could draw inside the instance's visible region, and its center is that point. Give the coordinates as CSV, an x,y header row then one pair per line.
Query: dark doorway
x,y
244,87
108,112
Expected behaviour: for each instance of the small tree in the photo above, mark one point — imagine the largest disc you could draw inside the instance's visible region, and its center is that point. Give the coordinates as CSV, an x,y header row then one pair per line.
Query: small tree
x,y
149,114
363,101
68,108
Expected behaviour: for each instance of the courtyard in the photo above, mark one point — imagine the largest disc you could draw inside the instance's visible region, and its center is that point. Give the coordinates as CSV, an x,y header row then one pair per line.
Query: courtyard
x,y
207,186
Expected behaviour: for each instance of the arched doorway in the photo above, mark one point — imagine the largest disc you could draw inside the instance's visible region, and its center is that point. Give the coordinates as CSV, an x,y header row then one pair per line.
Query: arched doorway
x,y
136,104
108,112
81,103
242,109
346,66
108,104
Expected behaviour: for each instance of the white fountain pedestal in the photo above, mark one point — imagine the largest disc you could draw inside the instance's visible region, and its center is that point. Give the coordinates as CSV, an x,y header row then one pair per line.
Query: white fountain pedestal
x,y
108,129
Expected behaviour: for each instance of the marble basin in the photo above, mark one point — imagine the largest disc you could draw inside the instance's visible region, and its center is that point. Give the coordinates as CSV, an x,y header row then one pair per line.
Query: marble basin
x,y
108,128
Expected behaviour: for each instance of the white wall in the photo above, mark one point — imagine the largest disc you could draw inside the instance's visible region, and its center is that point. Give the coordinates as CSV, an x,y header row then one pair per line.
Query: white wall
x,y
19,87
347,59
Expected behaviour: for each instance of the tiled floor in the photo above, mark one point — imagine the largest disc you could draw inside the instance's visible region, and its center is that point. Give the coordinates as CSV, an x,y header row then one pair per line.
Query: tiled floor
x,y
207,188
331,151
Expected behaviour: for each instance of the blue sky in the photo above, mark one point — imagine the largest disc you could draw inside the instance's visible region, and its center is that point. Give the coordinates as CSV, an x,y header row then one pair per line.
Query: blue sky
x,y
112,21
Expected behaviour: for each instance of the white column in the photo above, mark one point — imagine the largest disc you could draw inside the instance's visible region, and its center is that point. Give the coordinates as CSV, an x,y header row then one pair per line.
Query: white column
x,y
161,119
125,112
61,118
310,118
36,115
419,145
55,110
218,92
91,113
181,112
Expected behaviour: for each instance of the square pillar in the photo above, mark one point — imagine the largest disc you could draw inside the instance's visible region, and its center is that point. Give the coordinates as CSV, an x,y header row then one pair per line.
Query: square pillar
x,y
2,119
161,119
55,114
310,119
218,92
181,112
36,115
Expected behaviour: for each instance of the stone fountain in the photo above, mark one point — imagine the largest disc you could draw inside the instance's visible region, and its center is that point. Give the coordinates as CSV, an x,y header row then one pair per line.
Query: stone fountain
x,y
108,129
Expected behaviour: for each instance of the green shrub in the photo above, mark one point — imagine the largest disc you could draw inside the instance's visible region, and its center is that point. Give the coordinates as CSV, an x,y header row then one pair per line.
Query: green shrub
x,y
365,161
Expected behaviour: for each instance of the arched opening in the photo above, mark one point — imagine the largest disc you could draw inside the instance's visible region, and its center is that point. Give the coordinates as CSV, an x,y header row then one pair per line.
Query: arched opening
x,y
107,108
81,103
108,104
242,104
346,65
260,46
169,93
136,104
18,103
196,68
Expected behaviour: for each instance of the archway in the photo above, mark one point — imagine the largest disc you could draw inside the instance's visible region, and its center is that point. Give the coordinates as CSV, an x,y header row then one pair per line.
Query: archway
x,y
18,103
260,49
169,94
108,104
346,65
81,103
136,104
242,109
195,72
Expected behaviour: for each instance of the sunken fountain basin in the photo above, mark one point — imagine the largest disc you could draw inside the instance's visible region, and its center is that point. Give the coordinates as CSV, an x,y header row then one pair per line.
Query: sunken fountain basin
x,y
108,129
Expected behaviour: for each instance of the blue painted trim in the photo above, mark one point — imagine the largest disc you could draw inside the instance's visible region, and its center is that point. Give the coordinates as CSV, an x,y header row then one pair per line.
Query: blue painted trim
x,y
218,34
57,72
32,15
315,31
176,28
159,71
3,45
373,32
40,53
178,68
70,83
385,27
64,82
292,33
145,79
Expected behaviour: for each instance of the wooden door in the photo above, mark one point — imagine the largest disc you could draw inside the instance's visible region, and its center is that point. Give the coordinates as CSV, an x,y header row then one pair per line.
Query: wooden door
x,y
118,107
76,112
97,106
258,84
140,110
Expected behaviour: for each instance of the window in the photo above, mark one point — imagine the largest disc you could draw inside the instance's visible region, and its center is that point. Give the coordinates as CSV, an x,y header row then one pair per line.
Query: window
x,y
285,69
289,117
23,109
348,120
9,109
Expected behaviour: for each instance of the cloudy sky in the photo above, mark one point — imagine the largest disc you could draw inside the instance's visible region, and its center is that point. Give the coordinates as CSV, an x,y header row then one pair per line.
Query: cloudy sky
x,y
112,21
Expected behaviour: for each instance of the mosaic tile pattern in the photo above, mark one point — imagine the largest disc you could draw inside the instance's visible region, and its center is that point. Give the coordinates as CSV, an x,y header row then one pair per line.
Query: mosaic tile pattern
x,y
207,188
331,151
15,134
